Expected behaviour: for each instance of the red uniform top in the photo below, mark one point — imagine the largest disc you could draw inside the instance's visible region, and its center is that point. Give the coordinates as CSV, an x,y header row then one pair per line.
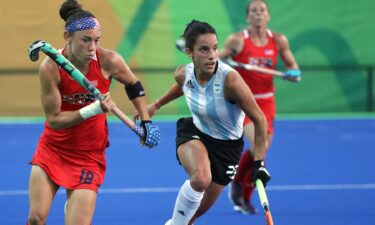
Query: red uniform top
x,y
92,134
264,56
260,84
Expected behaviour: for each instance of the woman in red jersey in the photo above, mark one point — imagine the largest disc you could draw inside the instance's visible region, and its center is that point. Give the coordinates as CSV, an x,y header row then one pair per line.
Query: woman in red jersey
x,y
71,149
257,45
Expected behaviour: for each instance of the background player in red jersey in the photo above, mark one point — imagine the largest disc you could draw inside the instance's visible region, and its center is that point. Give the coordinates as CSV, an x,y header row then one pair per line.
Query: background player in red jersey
x,y
71,150
257,45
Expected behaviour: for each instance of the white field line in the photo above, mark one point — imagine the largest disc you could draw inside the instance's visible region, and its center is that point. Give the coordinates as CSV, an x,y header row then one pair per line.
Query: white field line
x,y
175,189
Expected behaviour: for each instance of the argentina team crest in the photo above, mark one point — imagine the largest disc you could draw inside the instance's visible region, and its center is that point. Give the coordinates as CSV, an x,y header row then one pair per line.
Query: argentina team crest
x,y
217,86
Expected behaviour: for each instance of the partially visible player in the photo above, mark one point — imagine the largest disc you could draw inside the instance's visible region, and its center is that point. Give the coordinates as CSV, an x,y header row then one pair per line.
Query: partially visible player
x,y
257,45
71,149
209,144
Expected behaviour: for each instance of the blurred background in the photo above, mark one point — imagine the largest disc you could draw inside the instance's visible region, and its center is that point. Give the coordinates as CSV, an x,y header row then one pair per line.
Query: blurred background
x,y
332,41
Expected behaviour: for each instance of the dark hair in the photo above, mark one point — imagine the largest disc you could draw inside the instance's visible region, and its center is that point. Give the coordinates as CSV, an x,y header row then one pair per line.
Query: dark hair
x,y
71,10
251,1
194,29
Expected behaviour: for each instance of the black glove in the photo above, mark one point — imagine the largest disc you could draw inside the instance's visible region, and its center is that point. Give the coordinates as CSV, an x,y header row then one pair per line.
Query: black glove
x,y
152,134
260,172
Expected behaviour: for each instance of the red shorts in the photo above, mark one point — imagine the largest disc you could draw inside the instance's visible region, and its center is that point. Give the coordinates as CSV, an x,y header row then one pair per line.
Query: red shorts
x,y
71,169
268,107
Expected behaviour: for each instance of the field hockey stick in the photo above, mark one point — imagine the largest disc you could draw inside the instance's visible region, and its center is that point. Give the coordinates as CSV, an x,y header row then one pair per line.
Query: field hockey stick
x,y
275,73
64,63
180,45
264,201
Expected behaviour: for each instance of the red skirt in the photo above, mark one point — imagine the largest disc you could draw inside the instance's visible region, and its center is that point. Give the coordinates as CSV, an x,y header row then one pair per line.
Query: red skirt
x,y
269,110
71,169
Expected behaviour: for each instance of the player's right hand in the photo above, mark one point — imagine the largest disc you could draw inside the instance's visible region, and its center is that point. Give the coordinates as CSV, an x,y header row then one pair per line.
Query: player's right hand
x,y
260,172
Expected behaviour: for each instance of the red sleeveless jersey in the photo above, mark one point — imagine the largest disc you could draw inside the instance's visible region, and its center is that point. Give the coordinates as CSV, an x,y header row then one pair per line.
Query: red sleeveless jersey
x,y
264,56
92,134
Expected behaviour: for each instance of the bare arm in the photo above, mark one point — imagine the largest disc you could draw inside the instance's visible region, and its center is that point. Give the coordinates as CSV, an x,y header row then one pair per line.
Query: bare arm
x,y
285,52
51,98
115,66
175,91
236,90
232,46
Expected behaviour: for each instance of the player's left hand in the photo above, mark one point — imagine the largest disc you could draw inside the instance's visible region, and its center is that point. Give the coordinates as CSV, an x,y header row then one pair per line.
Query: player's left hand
x,y
292,75
152,134
260,172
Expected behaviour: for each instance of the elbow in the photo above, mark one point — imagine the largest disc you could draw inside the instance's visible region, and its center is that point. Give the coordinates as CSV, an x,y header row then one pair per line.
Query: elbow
x,y
264,124
53,125
261,122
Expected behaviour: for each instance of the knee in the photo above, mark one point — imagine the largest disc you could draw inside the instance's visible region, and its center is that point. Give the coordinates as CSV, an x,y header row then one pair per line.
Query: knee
x,y
36,219
200,181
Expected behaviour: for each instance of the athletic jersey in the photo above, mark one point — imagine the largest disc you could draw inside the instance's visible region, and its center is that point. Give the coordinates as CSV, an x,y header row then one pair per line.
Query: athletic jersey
x,y
265,56
212,113
92,133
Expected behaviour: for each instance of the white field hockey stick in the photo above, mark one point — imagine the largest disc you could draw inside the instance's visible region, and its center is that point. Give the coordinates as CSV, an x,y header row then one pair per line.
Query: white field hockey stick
x,y
271,72
180,45
275,73
64,63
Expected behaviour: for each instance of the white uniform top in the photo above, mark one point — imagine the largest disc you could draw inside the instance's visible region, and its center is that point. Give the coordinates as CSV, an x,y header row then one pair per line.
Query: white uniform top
x,y
212,113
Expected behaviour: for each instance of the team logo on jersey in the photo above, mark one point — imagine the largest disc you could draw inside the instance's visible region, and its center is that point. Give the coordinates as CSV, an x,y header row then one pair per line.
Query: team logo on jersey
x,y
217,86
189,84
78,99
253,61
268,52
263,62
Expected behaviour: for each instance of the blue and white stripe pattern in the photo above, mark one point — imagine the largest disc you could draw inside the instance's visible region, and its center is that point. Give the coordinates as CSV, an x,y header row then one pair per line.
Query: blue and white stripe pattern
x,y
212,113
85,23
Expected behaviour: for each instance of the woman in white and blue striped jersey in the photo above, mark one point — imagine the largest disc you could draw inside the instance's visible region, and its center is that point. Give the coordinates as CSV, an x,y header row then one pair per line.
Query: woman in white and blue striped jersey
x,y
209,144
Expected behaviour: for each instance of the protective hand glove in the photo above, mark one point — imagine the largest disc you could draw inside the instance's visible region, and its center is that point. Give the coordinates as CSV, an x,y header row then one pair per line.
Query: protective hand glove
x,y
293,75
260,172
152,134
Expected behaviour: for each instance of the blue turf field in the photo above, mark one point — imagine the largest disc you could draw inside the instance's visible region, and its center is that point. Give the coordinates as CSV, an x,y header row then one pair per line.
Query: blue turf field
x,y
322,174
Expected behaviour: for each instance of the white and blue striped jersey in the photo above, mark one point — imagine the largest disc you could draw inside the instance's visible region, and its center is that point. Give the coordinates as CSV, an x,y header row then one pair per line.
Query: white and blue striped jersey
x,y
212,113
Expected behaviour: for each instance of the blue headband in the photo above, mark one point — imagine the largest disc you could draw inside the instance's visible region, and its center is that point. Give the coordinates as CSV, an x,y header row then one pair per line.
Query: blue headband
x,y
85,23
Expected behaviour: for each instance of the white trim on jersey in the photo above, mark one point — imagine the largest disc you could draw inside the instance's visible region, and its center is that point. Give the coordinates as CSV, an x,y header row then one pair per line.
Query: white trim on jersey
x,y
247,35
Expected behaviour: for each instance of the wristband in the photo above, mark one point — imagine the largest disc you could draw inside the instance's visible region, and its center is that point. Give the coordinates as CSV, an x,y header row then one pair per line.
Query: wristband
x,y
91,110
